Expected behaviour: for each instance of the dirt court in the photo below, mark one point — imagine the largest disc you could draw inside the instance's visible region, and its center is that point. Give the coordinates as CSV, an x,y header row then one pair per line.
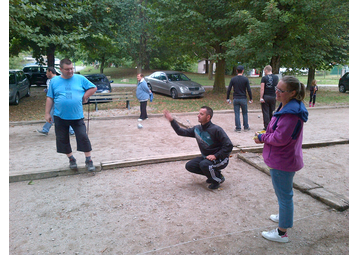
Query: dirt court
x,y
162,208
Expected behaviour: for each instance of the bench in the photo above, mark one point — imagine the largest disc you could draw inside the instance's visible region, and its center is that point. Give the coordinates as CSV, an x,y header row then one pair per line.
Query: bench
x,y
111,97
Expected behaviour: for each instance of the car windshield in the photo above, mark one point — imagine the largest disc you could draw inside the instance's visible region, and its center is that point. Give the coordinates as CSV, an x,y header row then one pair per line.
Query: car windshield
x,y
177,77
11,78
96,78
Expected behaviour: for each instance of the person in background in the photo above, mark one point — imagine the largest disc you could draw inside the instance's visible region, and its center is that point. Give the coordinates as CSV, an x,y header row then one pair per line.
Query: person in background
x,y
282,151
241,84
313,92
50,73
66,94
143,95
214,144
267,94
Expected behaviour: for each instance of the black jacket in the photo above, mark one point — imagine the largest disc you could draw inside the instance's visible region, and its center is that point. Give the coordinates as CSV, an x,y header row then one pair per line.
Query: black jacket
x,y
240,84
212,139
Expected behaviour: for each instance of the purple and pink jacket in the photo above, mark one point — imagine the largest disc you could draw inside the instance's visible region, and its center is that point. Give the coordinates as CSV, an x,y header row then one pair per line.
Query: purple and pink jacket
x,y
283,138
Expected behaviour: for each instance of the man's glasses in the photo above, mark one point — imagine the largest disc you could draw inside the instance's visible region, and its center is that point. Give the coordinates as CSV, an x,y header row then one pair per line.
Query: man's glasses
x,y
68,69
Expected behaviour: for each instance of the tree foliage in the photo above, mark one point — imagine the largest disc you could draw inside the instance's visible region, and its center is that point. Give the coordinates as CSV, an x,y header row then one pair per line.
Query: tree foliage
x,y
170,33
44,26
294,33
201,27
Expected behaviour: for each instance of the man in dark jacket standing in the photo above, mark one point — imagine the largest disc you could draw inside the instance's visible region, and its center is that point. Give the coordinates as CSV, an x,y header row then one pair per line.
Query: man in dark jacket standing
x,y
240,84
214,144
268,95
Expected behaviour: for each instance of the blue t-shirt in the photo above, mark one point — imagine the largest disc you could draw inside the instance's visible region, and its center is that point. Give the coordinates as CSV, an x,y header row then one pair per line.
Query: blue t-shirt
x,y
67,95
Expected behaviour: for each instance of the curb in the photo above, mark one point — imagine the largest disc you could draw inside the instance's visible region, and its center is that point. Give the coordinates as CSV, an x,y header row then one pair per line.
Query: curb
x,y
106,165
31,122
248,154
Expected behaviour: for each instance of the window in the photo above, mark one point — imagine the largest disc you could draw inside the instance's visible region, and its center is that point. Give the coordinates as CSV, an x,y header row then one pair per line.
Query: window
x,y
12,79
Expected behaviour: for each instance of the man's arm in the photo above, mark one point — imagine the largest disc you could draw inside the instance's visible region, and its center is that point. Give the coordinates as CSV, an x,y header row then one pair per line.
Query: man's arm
x,y
227,145
262,91
249,91
48,107
88,93
228,92
180,131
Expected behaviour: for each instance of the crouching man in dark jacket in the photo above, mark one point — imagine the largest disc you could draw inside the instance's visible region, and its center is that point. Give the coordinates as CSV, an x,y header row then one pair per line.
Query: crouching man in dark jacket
x,y
214,144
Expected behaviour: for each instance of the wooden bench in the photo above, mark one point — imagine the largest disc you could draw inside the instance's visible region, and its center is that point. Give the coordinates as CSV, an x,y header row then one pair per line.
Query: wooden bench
x,y
111,97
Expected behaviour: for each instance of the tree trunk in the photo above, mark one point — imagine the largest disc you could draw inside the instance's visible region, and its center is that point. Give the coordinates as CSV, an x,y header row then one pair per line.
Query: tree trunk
x,y
211,70
207,67
102,64
139,68
51,55
219,82
275,64
310,78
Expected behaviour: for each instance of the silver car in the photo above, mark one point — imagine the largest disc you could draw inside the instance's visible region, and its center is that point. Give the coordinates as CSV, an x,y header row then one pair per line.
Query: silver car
x,y
19,86
175,84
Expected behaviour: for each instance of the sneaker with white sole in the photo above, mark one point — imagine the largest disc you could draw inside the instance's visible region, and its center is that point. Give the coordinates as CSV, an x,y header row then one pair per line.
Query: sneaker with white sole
x,y
274,236
42,132
274,217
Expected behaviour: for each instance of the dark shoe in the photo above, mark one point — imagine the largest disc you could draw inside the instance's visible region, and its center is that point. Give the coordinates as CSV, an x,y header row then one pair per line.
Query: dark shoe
x,y
73,164
211,181
89,166
214,185
246,129
237,130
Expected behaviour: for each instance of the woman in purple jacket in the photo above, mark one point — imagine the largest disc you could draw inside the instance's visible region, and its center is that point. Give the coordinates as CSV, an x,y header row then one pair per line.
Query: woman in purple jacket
x,y
282,151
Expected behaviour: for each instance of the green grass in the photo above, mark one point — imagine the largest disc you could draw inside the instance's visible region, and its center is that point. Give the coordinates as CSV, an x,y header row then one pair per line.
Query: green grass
x,y
33,107
129,76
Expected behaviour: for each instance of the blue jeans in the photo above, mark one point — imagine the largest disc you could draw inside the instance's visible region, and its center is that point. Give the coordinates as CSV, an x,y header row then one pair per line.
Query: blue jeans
x,y
48,125
241,103
283,184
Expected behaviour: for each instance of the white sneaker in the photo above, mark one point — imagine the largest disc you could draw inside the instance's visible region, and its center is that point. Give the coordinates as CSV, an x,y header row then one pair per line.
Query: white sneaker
x,y
274,217
140,120
274,236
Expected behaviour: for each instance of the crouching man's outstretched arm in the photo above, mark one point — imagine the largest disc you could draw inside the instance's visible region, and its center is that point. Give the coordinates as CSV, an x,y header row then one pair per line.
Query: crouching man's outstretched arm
x,y
180,131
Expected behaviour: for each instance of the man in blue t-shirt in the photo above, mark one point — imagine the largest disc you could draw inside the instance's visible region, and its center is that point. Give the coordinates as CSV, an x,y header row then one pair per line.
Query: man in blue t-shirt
x,y
67,93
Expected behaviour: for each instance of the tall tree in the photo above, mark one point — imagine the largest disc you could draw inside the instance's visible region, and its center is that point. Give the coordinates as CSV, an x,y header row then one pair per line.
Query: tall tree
x,y
202,24
106,35
294,33
45,26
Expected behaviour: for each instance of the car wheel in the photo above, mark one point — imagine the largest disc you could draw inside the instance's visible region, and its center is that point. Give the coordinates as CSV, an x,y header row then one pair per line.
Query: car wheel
x,y
28,92
17,99
150,87
342,89
174,93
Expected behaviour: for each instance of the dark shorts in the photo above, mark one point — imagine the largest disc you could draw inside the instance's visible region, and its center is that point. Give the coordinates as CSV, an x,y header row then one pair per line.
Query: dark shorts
x,y
63,135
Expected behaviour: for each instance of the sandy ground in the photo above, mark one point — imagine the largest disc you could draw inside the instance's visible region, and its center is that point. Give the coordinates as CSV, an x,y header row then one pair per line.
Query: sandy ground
x,y
162,208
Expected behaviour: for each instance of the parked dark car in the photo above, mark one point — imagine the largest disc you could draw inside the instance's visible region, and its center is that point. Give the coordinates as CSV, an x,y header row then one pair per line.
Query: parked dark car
x,y
175,84
19,86
37,74
343,84
102,83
